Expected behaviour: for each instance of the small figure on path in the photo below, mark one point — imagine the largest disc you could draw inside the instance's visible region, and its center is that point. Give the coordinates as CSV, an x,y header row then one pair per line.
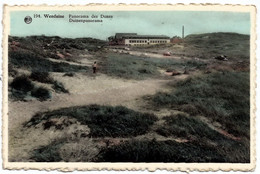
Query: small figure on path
x,y
94,66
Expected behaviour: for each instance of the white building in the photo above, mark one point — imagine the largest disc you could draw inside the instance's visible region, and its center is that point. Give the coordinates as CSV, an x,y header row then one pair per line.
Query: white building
x,y
132,39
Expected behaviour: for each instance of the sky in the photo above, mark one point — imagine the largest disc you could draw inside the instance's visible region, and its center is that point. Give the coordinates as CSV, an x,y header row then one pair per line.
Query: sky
x,y
142,22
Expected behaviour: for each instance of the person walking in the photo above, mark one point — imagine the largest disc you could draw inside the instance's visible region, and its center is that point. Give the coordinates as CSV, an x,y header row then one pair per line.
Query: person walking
x,y
94,66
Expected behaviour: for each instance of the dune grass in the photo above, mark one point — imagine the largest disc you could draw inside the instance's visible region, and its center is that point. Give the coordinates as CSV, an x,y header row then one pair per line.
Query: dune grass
x,y
103,120
135,67
222,97
160,151
184,126
33,62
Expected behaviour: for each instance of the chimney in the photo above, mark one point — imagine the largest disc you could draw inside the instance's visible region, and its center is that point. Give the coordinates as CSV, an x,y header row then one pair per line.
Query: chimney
x,y
183,32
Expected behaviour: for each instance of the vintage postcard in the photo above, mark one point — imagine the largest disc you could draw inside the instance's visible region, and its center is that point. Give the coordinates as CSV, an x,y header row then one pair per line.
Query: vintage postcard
x,y
129,87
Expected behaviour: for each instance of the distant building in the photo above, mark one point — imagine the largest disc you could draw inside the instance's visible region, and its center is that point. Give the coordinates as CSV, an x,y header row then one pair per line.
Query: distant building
x,y
176,39
133,39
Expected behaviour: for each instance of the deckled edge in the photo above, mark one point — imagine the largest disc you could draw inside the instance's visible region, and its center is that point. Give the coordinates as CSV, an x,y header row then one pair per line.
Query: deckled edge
x,y
127,166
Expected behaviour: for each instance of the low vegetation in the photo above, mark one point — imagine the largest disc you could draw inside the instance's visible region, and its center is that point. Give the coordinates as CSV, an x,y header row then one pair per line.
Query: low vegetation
x,y
217,96
59,87
209,118
49,153
135,67
41,93
69,74
81,150
21,87
206,46
47,46
42,77
33,62
193,129
160,151
183,126
234,46
103,120
22,83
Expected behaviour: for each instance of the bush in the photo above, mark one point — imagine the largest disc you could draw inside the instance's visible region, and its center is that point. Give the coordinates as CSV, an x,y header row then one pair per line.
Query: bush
x,y
69,74
41,93
11,71
22,83
103,120
160,151
49,153
58,87
41,77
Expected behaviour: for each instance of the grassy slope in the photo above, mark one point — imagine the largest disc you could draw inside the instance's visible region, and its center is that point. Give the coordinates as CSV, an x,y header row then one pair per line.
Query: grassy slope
x,y
34,62
235,46
231,44
220,97
134,67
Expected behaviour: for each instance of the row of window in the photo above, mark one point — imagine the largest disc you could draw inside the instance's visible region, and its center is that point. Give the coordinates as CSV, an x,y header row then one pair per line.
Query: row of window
x,y
158,41
138,41
135,44
145,41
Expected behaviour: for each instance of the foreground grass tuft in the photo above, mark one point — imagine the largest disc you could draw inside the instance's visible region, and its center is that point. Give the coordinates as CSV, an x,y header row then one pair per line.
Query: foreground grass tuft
x,y
103,120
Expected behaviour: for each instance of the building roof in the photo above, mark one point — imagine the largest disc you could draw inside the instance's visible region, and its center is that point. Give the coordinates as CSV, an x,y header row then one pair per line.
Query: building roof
x,y
120,35
135,36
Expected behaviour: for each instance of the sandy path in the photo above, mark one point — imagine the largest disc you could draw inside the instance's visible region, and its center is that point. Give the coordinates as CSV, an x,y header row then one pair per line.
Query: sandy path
x,y
101,90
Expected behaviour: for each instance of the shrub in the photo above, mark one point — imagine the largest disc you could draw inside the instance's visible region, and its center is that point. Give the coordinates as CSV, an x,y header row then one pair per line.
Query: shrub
x,y
22,83
58,87
11,71
41,93
69,74
18,95
41,77
49,153
103,120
